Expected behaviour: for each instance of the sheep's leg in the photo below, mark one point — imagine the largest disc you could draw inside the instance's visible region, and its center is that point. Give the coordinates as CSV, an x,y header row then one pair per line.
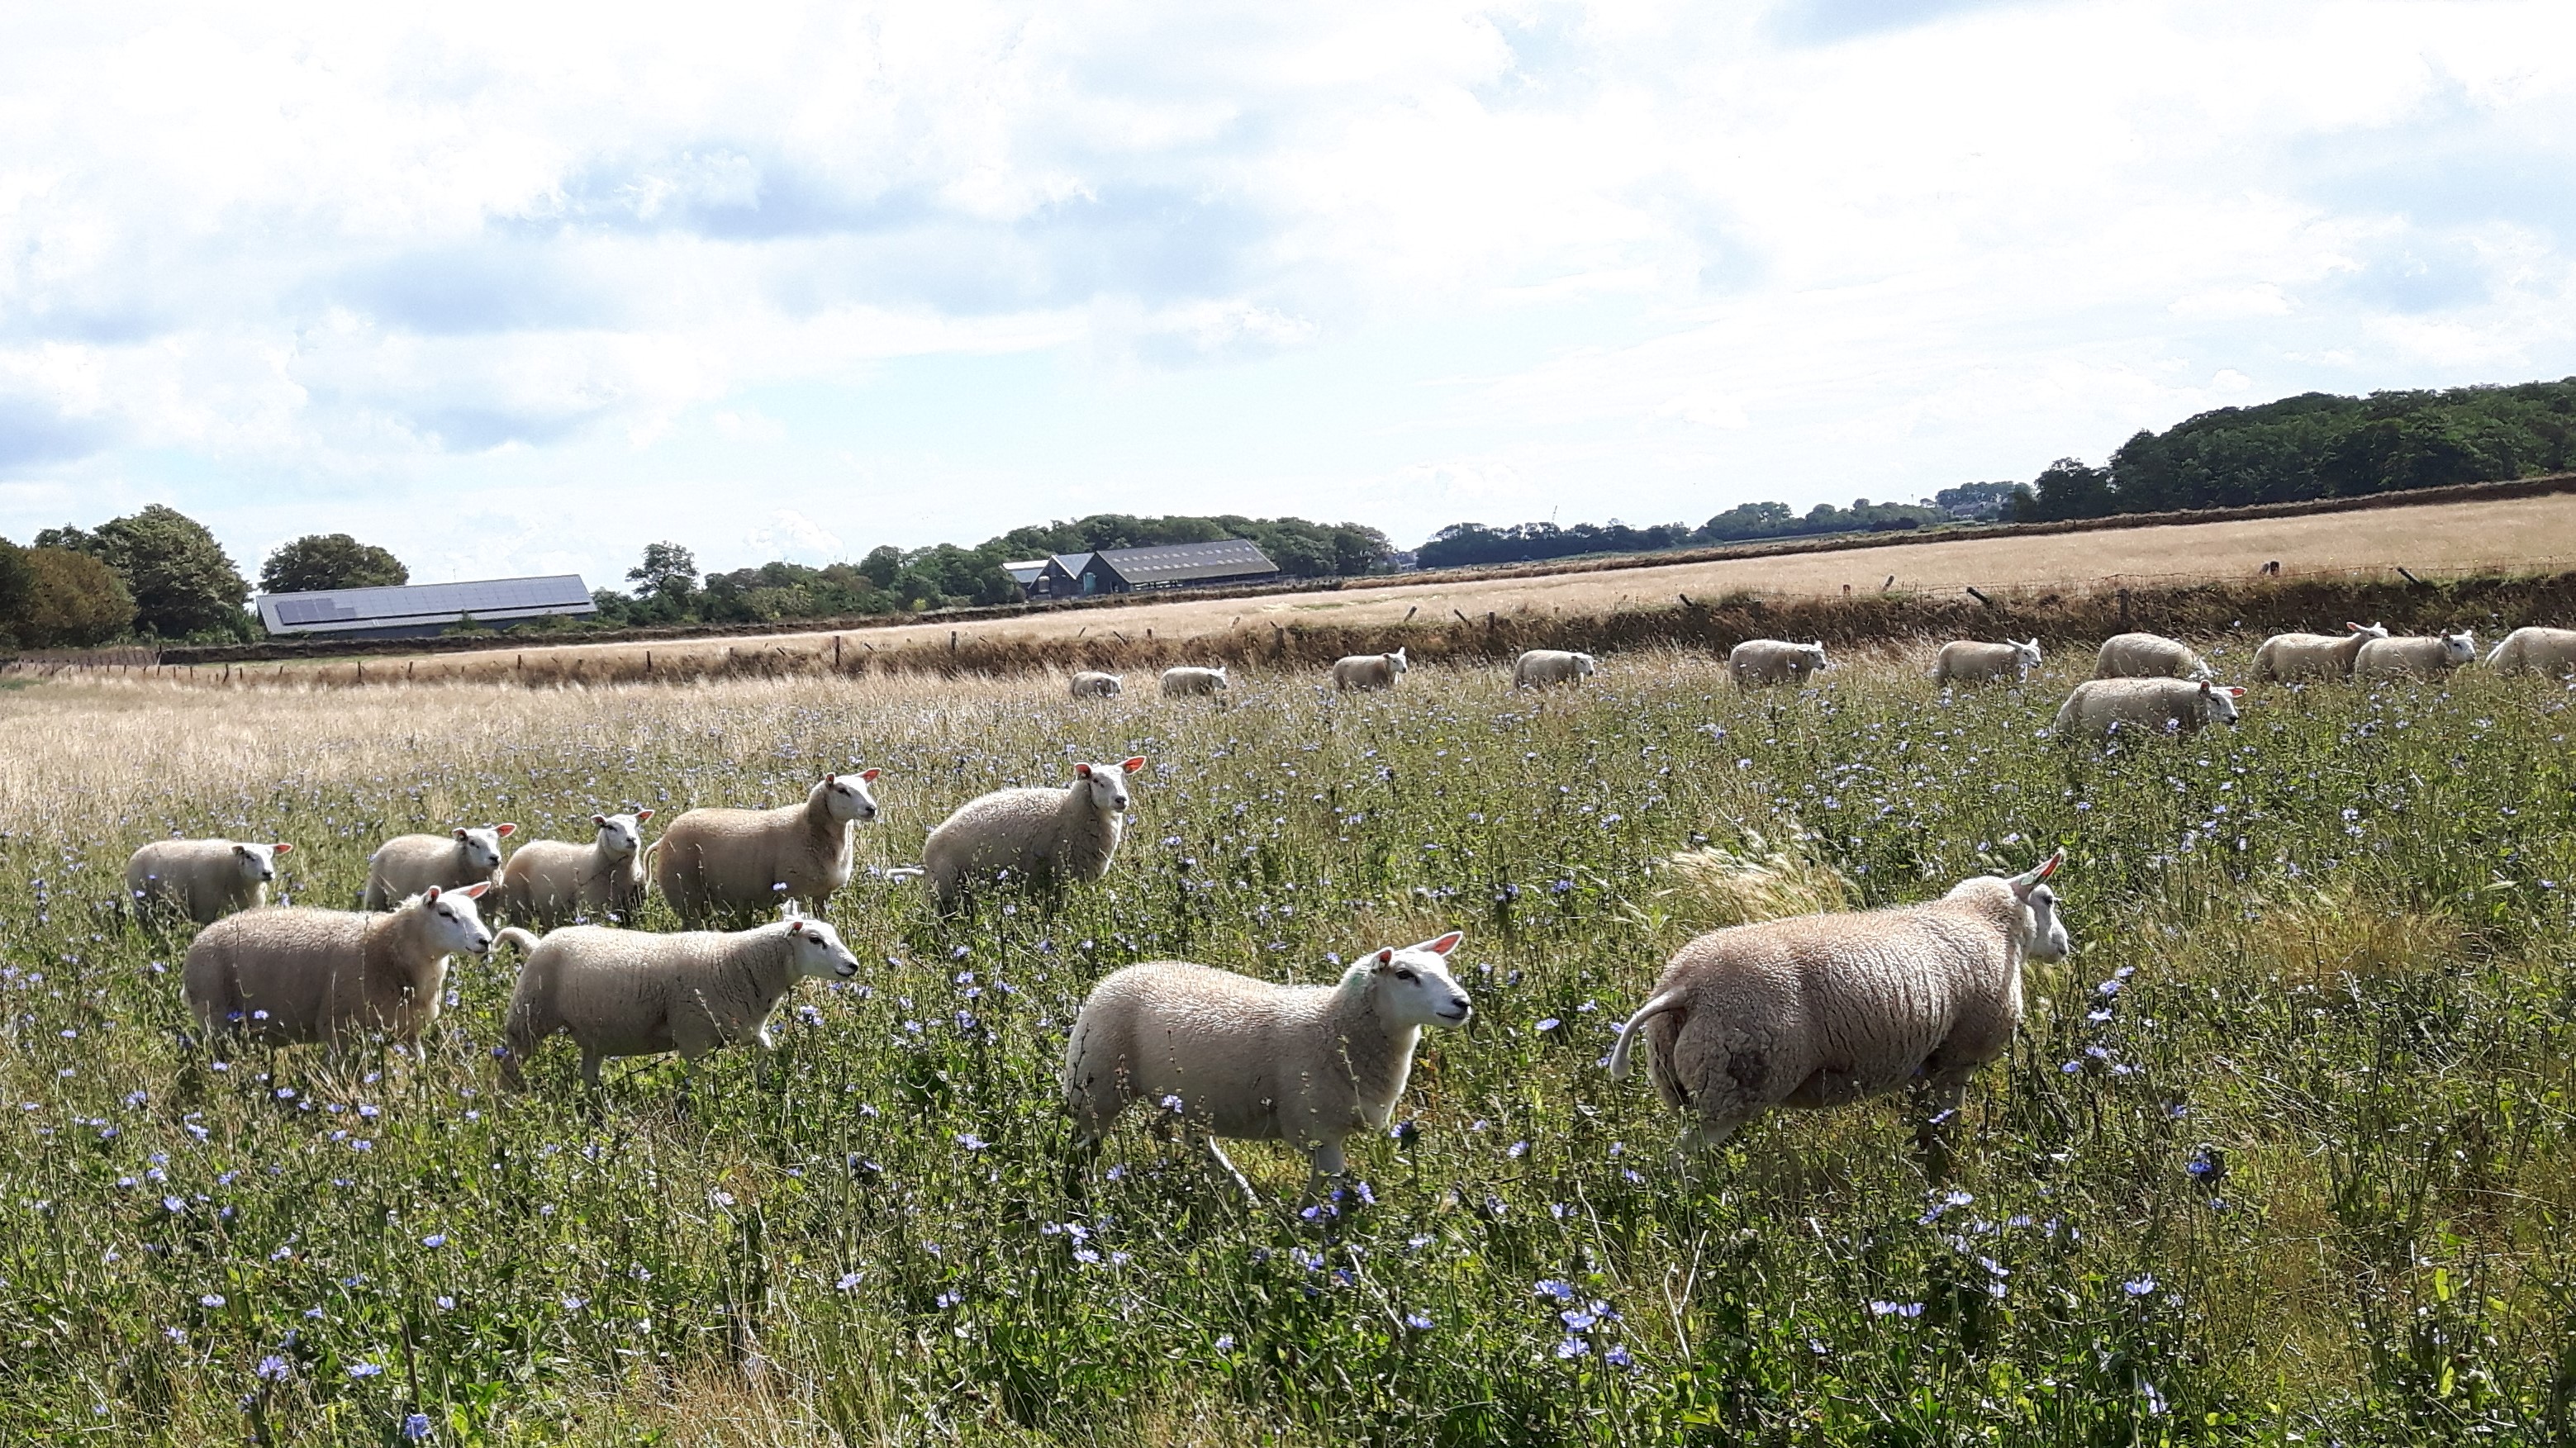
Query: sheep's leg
x,y
1329,1162
590,1068
1217,1155
1698,1144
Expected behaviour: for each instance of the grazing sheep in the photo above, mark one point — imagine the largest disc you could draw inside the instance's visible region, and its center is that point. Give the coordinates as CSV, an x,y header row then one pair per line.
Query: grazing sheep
x,y
1230,1056
2283,658
1368,671
406,865
2428,657
2147,656
712,860
1757,663
634,993
2172,706
1046,837
1966,661
1092,684
550,881
1187,682
1819,1010
288,974
2549,651
1541,667
203,879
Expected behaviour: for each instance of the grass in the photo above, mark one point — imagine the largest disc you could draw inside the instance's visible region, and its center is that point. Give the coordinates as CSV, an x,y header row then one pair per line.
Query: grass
x,y
2283,1155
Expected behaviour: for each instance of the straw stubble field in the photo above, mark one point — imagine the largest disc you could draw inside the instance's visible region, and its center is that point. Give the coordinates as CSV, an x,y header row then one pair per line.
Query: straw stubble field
x,y
2283,1155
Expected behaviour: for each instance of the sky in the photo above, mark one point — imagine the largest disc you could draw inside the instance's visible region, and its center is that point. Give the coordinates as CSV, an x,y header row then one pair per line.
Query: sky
x,y
516,288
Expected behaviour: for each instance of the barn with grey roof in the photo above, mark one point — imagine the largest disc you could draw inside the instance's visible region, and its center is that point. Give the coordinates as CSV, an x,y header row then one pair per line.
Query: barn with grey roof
x,y
424,609
1225,562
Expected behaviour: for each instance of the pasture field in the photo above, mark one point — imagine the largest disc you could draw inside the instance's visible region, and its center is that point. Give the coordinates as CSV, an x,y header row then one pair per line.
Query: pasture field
x,y
2283,1154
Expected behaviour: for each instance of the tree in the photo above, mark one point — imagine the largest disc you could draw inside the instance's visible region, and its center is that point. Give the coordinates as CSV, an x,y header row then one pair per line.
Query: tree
x,y
181,580
330,560
72,601
668,572
16,582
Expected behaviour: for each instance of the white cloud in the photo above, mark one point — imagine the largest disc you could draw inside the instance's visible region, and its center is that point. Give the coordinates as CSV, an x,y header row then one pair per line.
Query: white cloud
x,y
794,537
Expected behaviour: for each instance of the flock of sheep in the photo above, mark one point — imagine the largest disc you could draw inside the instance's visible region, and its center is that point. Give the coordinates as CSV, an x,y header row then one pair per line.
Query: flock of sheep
x,y
1808,1012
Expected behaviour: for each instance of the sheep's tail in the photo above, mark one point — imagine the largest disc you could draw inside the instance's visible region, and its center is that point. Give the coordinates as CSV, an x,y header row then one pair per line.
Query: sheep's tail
x,y
2495,655
906,872
513,935
1670,1000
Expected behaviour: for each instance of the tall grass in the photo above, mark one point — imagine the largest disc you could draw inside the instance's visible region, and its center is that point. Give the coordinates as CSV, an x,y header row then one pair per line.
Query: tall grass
x,y
2283,1155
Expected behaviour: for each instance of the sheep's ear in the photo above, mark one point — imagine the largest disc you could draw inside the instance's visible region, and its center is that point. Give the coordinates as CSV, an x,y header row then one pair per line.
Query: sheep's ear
x,y
2029,880
242,850
827,779
1082,771
475,890
281,849
869,776
1131,765
599,822
2234,691
430,895
460,832
2204,687
642,815
1444,944
504,831
1384,958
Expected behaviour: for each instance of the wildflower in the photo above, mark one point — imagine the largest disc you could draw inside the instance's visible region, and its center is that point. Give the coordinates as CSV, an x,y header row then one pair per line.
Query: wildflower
x,y
1572,1347
416,1427
575,1304
2140,1286
1552,1287
1577,1320
1418,1321
1618,1357
366,1370
1224,1343
1896,1309
434,1240
273,1368
211,1299
849,1281
446,1303
174,1204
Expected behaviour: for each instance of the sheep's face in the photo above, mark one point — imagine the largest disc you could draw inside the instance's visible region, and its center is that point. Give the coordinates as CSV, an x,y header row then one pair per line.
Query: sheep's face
x,y
1811,657
482,848
1395,661
1108,783
1113,685
1414,987
454,921
2217,705
2369,630
621,835
1583,666
2459,648
258,863
1218,680
819,951
2043,934
2025,657
847,797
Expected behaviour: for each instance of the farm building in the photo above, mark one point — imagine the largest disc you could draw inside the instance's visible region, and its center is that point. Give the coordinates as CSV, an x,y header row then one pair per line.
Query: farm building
x,y
1227,561
423,609
1025,574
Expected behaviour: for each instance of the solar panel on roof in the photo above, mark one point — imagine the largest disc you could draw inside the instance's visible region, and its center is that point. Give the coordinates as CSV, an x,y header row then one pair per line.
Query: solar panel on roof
x,y
362,607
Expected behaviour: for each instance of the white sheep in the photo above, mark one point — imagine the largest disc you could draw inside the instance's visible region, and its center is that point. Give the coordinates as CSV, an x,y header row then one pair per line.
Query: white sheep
x,y
1046,837
289,974
2147,656
202,879
1230,1056
1967,661
2549,651
551,881
1368,671
1092,684
1758,663
723,860
406,865
2283,658
2170,706
634,993
1539,668
1187,682
2428,657
1819,1010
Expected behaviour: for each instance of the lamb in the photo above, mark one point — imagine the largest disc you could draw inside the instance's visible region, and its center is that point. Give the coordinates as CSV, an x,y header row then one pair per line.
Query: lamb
x,y
2283,658
1757,663
2176,706
289,974
2147,656
1819,1010
2535,650
1047,837
634,993
2429,657
550,881
1541,667
712,860
1186,682
1965,661
1230,1056
203,879
406,865
1092,684
1368,671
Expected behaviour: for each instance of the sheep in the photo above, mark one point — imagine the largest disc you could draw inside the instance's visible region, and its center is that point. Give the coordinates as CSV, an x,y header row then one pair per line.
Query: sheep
x,y
1759,662
2147,656
1186,682
549,881
1230,1056
1966,661
1541,667
2178,706
2283,658
2430,657
1048,837
1815,1011
634,993
289,974
1092,684
2535,650
406,865
712,860
203,879
1368,671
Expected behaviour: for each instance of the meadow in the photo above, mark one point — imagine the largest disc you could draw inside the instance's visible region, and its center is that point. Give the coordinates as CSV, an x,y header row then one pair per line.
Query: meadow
x,y
2283,1154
